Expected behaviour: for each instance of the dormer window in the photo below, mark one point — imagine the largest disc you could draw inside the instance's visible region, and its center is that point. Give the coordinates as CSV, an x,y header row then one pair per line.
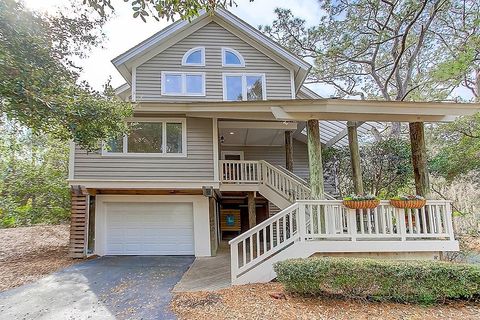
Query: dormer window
x,y
232,58
194,57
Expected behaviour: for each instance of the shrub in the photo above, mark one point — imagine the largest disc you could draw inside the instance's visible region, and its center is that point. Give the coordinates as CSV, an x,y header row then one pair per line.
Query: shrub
x,y
402,281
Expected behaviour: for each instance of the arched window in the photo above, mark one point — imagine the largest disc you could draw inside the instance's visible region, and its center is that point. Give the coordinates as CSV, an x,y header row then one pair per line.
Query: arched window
x,y
232,58
194,57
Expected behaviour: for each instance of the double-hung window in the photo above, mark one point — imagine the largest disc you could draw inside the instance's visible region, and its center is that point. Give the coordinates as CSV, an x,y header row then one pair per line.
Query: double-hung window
x,y
183,83
243,87
157,137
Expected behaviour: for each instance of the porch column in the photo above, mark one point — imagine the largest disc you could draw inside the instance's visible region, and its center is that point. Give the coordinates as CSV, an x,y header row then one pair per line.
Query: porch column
x,y
252,214
355,157
419,158
315,159
289,150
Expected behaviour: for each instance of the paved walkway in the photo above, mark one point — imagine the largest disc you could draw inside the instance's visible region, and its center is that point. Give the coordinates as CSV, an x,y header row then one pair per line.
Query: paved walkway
x,y
207,274
129,287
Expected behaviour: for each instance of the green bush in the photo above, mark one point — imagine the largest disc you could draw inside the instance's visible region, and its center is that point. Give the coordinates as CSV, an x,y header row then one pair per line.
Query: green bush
x,y
403,281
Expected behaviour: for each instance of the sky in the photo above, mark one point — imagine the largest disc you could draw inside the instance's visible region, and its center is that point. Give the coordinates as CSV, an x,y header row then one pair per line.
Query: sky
x,y
123,31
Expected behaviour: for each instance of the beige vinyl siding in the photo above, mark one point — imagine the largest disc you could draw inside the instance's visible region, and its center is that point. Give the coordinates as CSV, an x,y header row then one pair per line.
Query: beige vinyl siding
x,y
198,165
213,37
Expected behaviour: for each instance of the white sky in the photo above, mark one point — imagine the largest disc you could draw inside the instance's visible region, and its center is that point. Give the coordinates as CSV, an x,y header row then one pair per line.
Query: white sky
x,y
123,32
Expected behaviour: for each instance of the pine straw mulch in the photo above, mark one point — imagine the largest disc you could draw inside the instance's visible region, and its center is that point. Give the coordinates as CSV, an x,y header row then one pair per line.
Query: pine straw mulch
x,y
30,253
256,302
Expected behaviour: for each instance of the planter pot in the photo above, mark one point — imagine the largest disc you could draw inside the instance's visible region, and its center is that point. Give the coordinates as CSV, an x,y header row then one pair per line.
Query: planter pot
x,y
361,204
410,204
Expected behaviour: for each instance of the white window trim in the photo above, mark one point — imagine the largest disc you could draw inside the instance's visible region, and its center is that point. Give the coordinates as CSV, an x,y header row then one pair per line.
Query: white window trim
x,y
187,54
183,75
164,121
244,84
235,52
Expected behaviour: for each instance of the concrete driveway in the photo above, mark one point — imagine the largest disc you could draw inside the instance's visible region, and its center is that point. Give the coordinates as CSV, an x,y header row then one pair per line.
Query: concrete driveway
x,y
128,287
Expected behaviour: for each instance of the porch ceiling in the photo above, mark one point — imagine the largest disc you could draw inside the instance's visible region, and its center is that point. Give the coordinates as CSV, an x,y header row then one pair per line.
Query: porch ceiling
x,y
252,137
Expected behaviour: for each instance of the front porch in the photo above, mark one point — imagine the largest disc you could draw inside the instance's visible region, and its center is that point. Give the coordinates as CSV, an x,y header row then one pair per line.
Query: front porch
x,y
324,228
306,227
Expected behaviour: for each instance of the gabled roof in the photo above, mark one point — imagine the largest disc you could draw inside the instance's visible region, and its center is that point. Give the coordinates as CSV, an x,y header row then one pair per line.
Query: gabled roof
x,y
181,29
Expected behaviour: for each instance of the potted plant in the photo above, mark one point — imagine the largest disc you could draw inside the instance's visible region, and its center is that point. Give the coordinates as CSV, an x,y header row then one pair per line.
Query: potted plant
x,y
361,201
408,201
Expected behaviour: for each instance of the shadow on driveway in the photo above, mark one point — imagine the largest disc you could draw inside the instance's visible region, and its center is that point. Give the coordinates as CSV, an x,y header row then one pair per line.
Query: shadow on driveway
x,y
127,287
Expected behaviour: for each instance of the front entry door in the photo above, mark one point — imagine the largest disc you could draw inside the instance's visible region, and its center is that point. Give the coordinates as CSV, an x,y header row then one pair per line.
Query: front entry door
x,y
232,155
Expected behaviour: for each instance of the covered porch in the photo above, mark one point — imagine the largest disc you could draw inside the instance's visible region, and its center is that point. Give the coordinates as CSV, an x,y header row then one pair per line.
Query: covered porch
x,y
309,221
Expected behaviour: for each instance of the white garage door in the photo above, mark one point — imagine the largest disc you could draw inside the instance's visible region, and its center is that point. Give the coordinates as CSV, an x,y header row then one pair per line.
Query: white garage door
x,y
149,229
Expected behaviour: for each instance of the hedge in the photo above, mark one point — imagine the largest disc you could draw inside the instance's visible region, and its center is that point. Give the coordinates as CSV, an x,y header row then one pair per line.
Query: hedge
x,y
382,280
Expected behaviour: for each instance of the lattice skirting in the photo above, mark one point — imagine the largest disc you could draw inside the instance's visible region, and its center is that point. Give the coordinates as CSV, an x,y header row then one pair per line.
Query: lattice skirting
x,y
78,225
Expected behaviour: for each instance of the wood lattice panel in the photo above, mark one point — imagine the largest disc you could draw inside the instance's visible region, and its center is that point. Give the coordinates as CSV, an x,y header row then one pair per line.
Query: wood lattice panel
x,y
78,225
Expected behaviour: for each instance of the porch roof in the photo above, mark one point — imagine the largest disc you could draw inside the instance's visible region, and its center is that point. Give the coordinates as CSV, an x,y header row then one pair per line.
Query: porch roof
x,y
321,109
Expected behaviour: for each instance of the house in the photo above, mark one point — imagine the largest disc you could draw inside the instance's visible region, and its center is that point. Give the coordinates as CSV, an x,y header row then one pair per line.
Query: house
x,y
218,151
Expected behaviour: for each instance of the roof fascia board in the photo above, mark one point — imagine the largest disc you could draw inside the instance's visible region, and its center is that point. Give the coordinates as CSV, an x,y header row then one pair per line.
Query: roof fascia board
x,y
309,92
255,44
149,42
325,109
256,34
265,45
172,40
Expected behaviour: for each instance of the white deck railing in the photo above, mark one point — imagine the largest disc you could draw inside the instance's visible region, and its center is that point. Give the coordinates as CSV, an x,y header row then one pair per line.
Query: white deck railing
x,y
262,172
317,221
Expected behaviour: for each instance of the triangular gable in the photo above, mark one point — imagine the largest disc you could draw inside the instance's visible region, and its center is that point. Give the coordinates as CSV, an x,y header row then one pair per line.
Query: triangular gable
x,y
181,29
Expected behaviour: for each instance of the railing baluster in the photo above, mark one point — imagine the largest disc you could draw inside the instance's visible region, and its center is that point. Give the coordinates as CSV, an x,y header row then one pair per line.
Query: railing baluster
x,y
244,252
362,227
410,227
271,236
251,247
417,221
430,220
369,221
438,221
258,242
390,219
264,240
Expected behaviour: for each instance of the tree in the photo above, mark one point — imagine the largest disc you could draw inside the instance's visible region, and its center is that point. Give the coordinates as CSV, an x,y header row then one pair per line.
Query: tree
x,y
379,50
164,9
461,39
374,49
386,163
40,86
33,171
457,151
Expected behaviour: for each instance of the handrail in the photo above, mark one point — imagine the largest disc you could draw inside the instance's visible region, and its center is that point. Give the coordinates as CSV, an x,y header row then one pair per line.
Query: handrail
x,y
262,224
292,175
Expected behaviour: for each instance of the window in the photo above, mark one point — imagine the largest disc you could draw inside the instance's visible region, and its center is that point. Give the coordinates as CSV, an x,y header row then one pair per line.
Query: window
x,y
243,87
183,83
232,58
158,137
194,57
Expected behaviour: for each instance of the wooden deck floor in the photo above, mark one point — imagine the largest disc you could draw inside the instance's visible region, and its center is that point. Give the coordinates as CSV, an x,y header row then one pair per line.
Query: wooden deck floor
x,y
207,274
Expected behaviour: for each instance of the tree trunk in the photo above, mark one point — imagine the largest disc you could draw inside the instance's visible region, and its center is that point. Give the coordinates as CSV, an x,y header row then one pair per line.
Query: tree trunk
x,y
289,150
315,159
355,157
419,158
252,213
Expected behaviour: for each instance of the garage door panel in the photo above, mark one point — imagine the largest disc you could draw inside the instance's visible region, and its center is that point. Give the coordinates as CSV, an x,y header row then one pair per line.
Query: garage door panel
x,y
149,229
